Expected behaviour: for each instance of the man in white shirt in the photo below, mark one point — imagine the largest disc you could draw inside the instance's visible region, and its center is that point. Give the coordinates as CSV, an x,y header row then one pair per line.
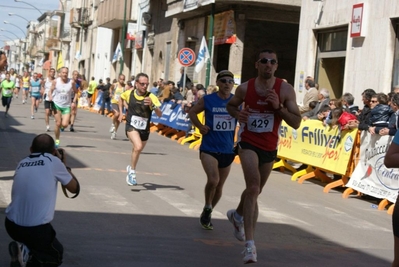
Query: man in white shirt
x,y
33,198
312,94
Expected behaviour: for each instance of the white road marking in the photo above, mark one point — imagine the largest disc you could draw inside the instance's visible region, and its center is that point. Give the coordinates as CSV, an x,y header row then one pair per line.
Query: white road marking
x,y
185,203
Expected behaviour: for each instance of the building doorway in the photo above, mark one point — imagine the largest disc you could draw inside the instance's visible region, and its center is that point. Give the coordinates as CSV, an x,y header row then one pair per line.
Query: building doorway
x,y
330,62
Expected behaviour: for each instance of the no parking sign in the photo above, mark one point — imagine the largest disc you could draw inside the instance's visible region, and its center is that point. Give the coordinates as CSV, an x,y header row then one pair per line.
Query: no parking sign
x,y
186,57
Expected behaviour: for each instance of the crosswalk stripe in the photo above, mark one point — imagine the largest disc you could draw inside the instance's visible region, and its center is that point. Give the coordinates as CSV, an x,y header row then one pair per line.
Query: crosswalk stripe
x,y
185,203
271,215
5,192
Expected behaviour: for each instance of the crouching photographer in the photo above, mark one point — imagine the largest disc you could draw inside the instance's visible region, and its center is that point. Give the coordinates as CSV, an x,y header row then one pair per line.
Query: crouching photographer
x,y
33,197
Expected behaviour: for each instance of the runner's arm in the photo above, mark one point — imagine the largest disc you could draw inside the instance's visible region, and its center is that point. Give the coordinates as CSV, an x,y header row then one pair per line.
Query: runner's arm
x,y
289,110
233,106
50,97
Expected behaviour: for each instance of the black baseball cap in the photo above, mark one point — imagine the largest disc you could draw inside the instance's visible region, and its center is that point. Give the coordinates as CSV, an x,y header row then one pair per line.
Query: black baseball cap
x,y
224,73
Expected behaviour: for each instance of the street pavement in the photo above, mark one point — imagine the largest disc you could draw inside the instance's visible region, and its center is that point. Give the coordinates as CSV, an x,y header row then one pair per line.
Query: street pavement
x,y
156,222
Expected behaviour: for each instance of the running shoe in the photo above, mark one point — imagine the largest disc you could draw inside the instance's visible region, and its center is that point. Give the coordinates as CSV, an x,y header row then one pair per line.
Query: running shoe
x,y
112,129
239,231
32,117
205,219
48,128
57,143
62,129
249,254
131,176
113,135
36,109
71,129
19,254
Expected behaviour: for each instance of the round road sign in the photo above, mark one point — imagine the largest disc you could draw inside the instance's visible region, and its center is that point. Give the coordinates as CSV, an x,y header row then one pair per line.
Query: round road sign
x,y
186,57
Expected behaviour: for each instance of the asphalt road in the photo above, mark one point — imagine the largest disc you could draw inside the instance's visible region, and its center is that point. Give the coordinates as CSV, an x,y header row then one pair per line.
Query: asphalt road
x,y
156,222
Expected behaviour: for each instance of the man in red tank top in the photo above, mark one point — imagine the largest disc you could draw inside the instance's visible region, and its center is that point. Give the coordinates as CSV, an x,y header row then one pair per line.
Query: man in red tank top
x,y
267,101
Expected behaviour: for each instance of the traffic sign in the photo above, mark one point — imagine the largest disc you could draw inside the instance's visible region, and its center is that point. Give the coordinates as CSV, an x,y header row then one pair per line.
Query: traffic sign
x,y
186,57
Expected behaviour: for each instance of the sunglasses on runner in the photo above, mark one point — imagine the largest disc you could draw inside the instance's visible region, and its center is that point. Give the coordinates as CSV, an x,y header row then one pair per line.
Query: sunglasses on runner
x,y
226,81
267,60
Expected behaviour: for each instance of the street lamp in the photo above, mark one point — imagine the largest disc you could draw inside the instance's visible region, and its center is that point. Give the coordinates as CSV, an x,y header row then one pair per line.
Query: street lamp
x,y
13,14
10,32
6,22
29,5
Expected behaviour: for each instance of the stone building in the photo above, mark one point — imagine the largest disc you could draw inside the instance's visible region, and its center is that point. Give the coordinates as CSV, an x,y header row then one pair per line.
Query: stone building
x,y
348,46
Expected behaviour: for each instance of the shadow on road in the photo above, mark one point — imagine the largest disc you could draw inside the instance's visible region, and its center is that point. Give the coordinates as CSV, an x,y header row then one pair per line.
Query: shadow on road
x,y
104,239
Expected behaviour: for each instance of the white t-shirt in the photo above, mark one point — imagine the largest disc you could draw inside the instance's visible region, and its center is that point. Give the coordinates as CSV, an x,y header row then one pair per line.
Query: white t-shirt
x,y
34,190
17,80
62,93
47,87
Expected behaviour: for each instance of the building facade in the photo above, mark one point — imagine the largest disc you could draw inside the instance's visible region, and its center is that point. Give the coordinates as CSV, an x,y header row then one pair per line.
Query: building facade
x,y
348,46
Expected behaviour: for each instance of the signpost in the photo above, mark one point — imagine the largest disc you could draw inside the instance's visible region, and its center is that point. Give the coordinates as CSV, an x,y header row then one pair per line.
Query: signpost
x,y
186,58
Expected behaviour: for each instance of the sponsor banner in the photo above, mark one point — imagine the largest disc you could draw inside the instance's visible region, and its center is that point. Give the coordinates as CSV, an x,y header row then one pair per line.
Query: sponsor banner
x,y
82,100
98,98
370,176
224,28
172,116
316,145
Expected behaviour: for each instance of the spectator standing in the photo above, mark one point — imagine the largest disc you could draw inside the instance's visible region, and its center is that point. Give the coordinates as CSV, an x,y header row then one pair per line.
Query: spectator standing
x,y
211,89
323,100
267,99
154,89
140,106
364,115
165,94
106,99
310,95
181,81
29,215
216,150
348,102
380,112
393,120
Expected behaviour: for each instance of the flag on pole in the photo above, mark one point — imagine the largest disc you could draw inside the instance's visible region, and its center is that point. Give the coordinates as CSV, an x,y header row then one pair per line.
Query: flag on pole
x,y
118,53
203,56
60,61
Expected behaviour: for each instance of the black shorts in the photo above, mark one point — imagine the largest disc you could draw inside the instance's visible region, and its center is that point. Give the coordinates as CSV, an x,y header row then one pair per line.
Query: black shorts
x,y
115,106
48,105
144,134
263,155
89,95
41,241
224,160
6,101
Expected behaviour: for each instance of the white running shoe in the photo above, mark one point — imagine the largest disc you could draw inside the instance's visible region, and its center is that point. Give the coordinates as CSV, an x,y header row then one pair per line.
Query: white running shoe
x,y
131,176
112,129
239,231
19,254
32,117
113,135
249,254
48,128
